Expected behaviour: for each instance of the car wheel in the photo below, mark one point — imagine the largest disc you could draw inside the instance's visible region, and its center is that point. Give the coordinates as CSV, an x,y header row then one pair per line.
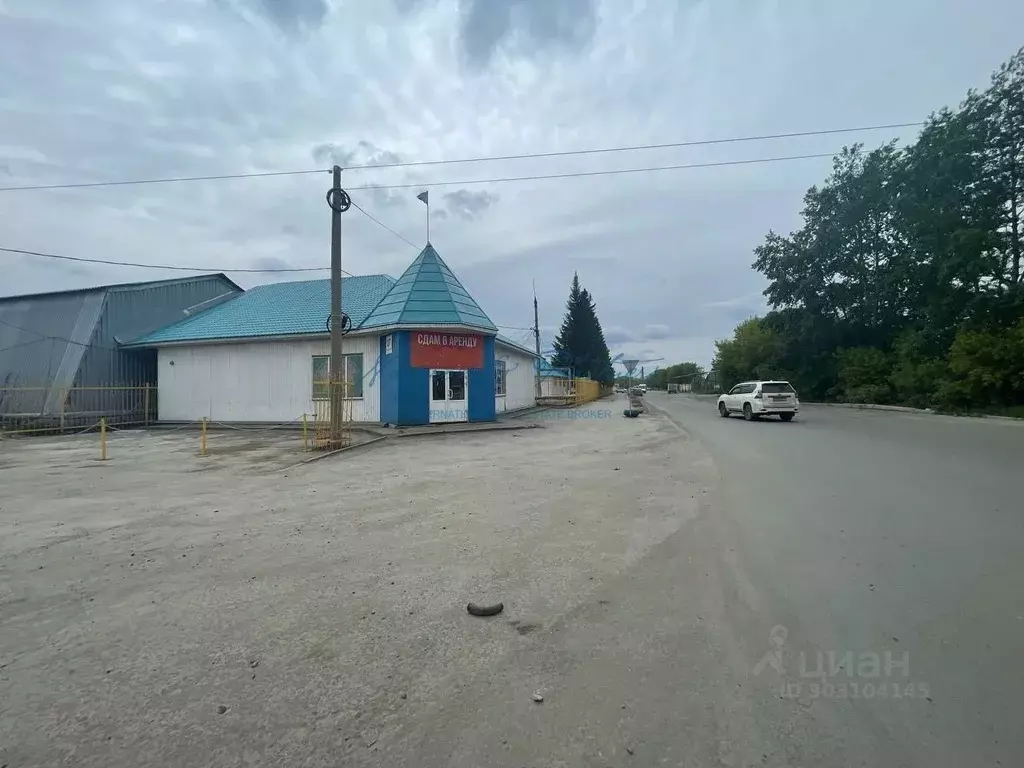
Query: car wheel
x,y
723,411
748,412
786,416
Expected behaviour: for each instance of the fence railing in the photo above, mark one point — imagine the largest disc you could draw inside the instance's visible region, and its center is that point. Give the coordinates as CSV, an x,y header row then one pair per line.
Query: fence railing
x,y
42,410
587,391
338,391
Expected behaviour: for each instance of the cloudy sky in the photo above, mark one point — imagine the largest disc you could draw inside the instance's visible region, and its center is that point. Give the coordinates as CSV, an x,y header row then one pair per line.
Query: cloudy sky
x,y
96,90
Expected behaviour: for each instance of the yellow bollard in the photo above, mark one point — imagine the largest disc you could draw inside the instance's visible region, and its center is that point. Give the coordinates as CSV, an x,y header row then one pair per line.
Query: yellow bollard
x,y
305,434
202,440
103,439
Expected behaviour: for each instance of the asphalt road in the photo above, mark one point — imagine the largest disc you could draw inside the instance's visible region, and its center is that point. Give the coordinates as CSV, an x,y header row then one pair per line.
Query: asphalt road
x,y
670,584
887,545
888,536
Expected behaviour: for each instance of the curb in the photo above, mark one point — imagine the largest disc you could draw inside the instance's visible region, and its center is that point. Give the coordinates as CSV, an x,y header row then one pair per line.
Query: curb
x,y
463,430
871,407
335,452
893,408
926,411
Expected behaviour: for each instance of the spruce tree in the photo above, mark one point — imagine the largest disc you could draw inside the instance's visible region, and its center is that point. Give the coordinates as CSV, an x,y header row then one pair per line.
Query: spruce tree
x,y
580,344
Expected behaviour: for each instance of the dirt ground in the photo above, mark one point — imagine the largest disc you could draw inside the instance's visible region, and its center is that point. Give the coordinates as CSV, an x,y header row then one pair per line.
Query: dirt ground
x,y
162,608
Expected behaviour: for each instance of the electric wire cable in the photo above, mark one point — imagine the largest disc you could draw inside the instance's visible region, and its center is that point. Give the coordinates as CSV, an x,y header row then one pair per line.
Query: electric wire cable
x,y
607,172
43,254
466,160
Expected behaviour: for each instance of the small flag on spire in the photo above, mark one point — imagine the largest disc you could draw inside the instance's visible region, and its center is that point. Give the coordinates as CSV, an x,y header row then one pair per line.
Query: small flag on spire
x,y
424,197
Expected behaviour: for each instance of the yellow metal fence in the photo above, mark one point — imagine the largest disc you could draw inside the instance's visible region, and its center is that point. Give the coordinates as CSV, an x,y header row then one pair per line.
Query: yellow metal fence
x,y
587,391
321,426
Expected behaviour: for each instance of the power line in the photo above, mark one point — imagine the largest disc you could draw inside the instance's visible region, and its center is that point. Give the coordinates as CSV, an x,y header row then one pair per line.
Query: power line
x,y
174,267
173,180
381,223
634,148
580,174
480,159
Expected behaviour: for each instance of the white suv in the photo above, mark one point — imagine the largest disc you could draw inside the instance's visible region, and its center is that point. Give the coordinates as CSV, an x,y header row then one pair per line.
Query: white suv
x,y
755,399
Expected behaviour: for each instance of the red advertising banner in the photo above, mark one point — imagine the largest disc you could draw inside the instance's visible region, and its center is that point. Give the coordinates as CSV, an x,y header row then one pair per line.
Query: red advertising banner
x,y
436,349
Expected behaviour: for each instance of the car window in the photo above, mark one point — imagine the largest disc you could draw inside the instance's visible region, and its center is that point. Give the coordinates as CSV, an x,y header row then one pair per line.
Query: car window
x,y
736,390
749,388
776,387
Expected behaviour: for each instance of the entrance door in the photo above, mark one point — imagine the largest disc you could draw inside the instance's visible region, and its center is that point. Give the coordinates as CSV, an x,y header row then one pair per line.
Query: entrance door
x,y
448,400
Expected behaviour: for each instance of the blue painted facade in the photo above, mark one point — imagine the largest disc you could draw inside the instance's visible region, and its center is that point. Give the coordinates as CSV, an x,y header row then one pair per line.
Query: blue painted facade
x,y
481,386
405,390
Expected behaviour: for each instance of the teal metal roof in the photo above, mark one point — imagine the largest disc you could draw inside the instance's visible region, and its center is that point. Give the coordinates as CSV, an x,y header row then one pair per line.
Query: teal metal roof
x,y
429,294
548,371
278,309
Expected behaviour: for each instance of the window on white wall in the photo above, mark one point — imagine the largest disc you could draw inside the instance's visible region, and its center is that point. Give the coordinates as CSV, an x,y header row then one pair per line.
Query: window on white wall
x,y
353,367
500,377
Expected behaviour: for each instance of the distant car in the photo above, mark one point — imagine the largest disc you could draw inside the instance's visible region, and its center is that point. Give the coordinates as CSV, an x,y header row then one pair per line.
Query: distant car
x,y
755,399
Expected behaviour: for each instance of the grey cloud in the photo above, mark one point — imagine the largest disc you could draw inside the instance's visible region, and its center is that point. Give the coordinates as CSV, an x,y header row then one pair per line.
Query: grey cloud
x,y
468,205
290,16
257,87
362,153
615,336
270,262
526,26
407,6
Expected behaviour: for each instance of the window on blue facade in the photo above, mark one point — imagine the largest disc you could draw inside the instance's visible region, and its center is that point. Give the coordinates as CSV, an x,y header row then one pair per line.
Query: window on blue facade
x,y
353,376
500,377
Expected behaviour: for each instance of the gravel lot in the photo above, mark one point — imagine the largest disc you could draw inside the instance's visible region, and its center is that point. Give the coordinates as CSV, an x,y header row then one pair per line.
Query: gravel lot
x,y
167,609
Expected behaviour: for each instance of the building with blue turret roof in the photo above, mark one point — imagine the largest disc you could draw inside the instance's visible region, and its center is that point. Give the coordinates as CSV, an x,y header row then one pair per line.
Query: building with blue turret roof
x,y
418,350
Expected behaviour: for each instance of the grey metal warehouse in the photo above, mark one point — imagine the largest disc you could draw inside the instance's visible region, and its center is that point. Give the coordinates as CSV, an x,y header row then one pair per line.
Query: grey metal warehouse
x,y
60,352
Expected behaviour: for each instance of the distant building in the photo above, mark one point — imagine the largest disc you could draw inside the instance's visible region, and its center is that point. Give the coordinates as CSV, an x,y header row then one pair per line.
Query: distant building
x,y
555,383
58,349
419,350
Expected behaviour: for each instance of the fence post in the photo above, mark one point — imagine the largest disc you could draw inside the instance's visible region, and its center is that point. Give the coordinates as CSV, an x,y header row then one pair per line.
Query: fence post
x,y
146,406
103,438
202,440
63,401
305,434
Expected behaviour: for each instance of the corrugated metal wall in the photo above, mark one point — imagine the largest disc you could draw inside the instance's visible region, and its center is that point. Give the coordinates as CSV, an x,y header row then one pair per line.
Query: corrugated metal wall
x,y
51,343
131,312
42,341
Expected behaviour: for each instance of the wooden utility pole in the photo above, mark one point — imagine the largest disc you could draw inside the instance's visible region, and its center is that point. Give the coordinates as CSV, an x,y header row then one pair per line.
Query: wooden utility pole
x,y
339,202
536,338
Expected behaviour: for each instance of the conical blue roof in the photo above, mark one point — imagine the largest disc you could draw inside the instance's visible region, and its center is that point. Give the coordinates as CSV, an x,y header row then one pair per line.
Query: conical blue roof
x,y
428,294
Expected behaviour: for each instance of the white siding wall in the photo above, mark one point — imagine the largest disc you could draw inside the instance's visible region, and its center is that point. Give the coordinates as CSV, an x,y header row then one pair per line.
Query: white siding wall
x,y
269,381
520,385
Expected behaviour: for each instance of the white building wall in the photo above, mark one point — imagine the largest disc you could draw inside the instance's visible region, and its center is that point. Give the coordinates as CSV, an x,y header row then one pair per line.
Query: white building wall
x,y
520,385
269,381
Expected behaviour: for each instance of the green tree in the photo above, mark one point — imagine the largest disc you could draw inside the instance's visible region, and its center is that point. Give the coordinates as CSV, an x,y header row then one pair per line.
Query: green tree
x,y
580,344
680,373
864,375
752,353
908,262
987,368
